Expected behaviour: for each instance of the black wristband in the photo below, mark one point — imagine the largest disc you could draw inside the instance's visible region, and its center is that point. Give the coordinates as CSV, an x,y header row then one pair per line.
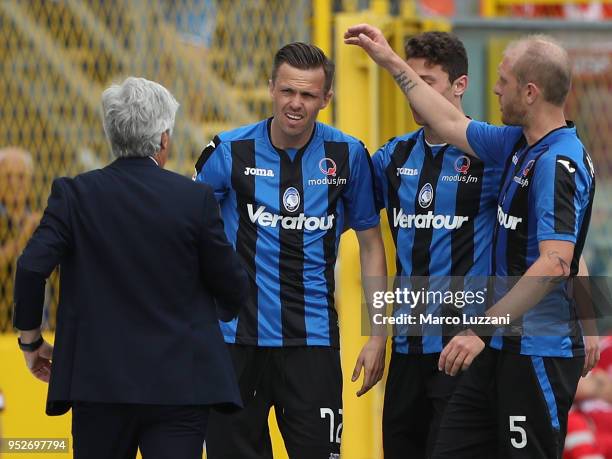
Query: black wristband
x,y
30,347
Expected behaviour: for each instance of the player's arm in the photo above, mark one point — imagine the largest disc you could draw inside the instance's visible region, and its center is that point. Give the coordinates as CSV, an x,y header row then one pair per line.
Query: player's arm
x,y
221,269
550,269
373,274
584,306
363,216
438,112
562,192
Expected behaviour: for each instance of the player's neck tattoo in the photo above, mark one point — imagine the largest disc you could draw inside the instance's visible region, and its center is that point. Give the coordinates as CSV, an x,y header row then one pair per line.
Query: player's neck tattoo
x,y
404,82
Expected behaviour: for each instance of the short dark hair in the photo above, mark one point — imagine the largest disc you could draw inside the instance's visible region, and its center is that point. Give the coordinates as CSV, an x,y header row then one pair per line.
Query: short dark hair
x,y
304,56
440,48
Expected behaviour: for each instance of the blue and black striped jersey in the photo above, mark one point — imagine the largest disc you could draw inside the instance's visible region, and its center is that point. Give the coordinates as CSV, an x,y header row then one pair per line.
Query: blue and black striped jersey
x,y
284,211
441,207
547,194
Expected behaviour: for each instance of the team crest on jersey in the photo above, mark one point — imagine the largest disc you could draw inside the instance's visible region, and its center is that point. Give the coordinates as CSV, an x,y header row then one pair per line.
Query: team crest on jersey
x,y
426,196
462,164
291,199
328,166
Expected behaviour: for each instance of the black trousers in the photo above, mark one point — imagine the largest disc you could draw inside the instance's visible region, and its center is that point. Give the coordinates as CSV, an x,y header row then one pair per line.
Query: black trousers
x,y
109,430
509,406
304,384
415,399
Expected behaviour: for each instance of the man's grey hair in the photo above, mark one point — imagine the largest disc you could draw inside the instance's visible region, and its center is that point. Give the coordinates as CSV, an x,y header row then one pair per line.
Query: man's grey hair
x,y
135,115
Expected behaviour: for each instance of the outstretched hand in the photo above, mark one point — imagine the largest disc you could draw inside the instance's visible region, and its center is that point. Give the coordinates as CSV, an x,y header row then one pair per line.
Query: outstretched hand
x,y
372,360
373,42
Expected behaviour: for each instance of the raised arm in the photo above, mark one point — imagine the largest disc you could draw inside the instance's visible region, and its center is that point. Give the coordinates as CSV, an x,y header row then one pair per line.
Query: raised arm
x,y
438,112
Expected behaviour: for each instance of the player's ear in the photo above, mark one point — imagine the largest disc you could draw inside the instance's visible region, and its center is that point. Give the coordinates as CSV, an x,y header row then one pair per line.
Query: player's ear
x,y
327,98
270,85
531,92
460,85
165,140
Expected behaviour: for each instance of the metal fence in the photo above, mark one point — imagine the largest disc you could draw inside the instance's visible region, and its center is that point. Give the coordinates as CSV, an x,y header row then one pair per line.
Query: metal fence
x,y
57,57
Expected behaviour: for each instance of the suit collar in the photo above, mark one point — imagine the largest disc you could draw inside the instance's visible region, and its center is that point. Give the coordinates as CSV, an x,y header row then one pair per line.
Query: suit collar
x,y
135,161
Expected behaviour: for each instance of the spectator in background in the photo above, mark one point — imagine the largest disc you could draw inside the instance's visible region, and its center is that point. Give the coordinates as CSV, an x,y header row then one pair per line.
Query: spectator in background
x,y
589,428
17,221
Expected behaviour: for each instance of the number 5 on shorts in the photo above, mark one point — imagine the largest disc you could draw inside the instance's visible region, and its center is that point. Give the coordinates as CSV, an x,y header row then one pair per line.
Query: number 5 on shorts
x,y
518,429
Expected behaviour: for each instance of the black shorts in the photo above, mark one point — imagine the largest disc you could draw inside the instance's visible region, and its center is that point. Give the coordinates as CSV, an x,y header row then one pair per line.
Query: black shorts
x,y
509,406
416,395
304,384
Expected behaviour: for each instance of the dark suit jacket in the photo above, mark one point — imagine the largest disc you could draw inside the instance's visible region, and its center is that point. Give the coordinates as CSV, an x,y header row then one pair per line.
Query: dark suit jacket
x,y
143,261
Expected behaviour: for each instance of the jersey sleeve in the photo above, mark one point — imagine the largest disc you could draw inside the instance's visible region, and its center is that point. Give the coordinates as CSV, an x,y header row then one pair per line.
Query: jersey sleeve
x,y
361,212
562,187
492,144
379,164
213,168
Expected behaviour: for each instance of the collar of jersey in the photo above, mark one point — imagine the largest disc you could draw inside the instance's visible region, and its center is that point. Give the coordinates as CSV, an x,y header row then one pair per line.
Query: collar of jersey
x,y
569,128
434,149
282,152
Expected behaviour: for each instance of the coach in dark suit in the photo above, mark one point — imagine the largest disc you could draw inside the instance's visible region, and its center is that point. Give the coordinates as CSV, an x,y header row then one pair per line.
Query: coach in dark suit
x,y
145,272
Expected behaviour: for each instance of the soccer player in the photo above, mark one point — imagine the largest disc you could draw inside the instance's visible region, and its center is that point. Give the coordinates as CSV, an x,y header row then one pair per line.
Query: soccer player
x,y
513,401
288,187
418,174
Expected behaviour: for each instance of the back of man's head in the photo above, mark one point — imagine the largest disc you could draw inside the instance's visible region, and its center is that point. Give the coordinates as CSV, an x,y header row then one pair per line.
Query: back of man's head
x,y
304,56
135,115
439,48
541,60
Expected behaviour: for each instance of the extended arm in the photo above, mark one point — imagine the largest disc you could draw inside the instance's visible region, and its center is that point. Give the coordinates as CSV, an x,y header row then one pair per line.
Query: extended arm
x,y
438,112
